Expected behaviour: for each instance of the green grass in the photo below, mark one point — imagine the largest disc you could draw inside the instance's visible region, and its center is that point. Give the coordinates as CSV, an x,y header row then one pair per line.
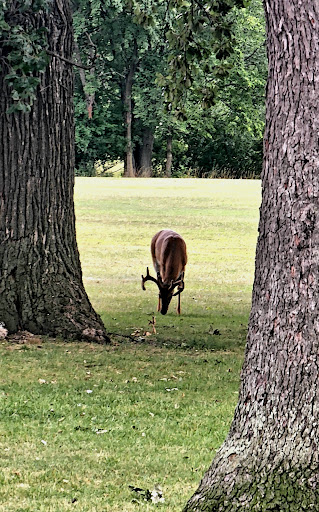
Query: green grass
x,y
159,406
218,219
149,435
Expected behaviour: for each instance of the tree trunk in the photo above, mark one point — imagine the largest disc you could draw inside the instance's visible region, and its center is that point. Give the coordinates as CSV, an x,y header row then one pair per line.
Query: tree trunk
x,y
41,287
89,97
144,154
270,459
169,155
129,168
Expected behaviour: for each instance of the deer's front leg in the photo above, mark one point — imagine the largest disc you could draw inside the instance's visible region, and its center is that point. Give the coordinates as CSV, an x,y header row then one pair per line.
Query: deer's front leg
x,y
178,309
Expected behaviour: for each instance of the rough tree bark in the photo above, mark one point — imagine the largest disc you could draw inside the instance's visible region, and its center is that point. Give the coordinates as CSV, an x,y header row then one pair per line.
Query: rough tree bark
x,y
270,459
41,287
143,154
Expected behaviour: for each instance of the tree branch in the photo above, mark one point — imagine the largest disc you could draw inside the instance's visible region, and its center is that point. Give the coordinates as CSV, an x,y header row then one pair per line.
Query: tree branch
x,y
68,61
248,57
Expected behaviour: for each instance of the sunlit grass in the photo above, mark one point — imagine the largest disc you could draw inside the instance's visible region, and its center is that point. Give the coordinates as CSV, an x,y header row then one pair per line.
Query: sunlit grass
x,y
80,423
116,220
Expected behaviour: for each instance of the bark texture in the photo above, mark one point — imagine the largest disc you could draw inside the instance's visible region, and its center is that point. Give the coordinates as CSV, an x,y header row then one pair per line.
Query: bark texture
x,y
41,287
143,154
270,458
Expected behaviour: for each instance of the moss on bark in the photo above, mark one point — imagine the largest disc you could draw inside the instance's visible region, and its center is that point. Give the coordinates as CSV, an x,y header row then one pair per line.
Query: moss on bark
x,y
281,490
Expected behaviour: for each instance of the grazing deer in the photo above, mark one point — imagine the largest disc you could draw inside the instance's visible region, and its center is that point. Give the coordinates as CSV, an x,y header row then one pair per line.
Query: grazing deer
x,y
169,259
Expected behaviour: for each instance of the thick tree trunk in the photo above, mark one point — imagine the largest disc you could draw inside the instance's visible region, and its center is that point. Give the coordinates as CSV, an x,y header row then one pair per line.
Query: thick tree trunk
x,y
143,162
41,287
270,460
169,155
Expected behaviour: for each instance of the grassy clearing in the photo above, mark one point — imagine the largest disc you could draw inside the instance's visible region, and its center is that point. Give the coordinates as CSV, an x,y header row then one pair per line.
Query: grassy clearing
x,y
218,219
80,423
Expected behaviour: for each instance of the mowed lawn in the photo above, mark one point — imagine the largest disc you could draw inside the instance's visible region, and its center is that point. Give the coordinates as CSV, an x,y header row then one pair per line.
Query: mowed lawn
x,y
81,423
218,219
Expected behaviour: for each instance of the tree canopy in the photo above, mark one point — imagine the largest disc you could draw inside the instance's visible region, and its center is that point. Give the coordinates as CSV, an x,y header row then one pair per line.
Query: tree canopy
x,y
183,56
179,86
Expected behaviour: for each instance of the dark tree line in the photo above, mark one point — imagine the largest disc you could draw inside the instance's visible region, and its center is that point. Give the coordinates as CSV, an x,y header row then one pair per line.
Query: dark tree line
x,y
212,118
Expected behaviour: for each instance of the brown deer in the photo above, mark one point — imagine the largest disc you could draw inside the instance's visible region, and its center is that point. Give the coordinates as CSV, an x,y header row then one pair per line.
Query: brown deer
x,y
169,259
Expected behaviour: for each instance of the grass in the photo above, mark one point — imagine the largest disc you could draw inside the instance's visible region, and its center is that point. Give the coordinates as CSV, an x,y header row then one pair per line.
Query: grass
x,y
218,219
80,423
154,417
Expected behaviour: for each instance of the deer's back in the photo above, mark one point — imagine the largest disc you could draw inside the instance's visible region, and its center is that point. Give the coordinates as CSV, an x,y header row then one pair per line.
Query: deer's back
x,y
169,254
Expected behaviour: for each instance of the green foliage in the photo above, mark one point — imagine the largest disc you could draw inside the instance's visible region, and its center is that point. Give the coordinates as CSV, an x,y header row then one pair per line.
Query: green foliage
x,y
215,109
112,28
225,139
172,43
195,33
100,138
22,50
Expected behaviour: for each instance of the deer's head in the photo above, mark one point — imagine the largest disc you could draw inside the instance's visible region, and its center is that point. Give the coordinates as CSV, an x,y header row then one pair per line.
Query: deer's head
x,y
166,291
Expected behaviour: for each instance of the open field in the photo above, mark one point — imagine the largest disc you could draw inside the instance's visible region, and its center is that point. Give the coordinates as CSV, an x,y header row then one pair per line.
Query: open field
x,y
218,220
80,423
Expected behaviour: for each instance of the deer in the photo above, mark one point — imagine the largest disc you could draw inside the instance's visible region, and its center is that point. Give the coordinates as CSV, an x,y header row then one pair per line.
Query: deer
x,y
169,257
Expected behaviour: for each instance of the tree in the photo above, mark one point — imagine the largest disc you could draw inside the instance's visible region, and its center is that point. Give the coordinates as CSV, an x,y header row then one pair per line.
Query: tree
x,y
269,460
227,135
41,288
148,101
140,48
121,44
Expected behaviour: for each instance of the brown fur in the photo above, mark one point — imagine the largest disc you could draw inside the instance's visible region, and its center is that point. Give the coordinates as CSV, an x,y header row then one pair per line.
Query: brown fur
x,y
169,255
169,259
